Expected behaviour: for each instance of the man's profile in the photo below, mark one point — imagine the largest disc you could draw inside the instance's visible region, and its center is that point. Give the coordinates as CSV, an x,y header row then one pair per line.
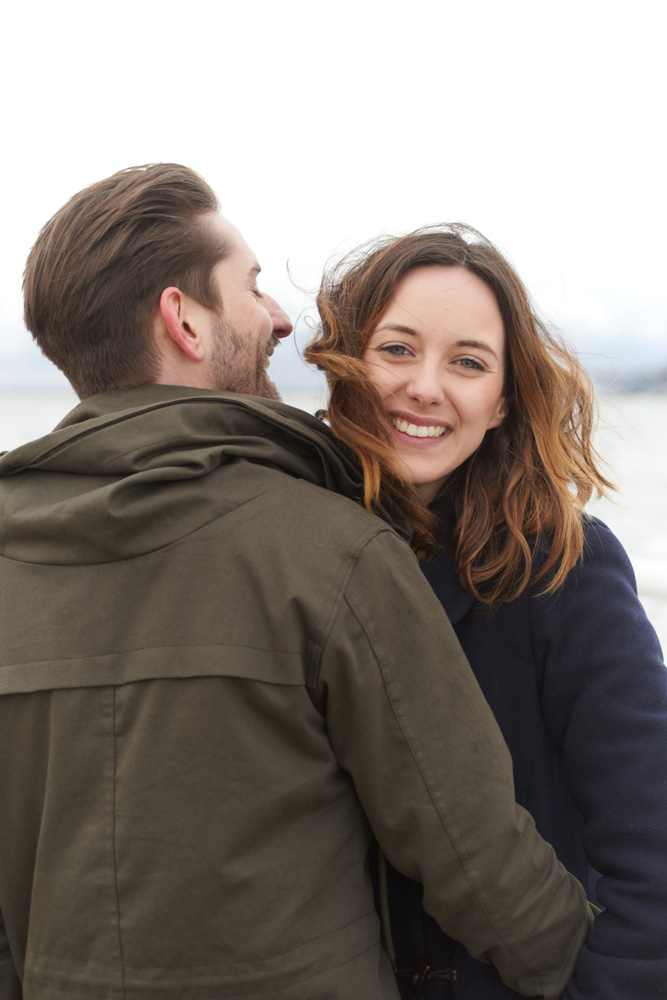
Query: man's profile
x,y
218,673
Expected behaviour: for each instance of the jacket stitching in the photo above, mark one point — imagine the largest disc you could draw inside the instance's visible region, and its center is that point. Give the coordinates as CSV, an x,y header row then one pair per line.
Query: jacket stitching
x,y
113,840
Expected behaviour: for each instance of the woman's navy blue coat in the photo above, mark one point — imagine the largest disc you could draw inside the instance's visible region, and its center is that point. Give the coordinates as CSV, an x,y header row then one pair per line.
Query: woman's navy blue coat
x,y
579,688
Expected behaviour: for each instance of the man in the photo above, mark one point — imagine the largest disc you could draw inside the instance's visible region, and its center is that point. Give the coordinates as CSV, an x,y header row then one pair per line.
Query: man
x,y
218,674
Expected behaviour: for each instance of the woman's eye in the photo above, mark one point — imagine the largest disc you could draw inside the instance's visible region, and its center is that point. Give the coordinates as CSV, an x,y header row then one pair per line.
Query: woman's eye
x,y
395,350
472,363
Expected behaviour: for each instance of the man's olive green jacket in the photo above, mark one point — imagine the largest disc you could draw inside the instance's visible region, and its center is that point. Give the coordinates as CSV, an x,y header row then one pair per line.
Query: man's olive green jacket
x,y
218,675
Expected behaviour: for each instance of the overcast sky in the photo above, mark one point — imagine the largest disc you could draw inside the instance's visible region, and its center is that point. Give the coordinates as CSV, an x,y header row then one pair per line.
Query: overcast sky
x,y
322,124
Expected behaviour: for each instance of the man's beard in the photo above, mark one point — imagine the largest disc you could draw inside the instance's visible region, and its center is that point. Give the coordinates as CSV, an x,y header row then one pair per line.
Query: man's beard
x,y
239,364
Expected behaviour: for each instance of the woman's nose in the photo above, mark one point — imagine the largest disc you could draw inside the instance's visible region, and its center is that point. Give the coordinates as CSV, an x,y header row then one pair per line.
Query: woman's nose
x,y
425,386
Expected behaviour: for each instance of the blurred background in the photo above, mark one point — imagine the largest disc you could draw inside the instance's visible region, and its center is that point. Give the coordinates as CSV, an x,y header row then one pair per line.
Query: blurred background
x,y
322,125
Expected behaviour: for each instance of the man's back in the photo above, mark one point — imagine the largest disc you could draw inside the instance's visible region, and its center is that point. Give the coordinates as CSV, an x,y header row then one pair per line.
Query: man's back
x,y
210,656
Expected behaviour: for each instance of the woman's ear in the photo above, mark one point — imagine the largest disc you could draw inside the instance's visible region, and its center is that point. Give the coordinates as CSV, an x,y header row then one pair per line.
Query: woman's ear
x,y
499,414
179,319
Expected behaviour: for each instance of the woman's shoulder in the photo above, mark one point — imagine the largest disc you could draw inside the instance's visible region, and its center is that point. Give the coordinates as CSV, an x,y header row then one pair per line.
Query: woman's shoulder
x,y
603,566
597,601
602,555
598,536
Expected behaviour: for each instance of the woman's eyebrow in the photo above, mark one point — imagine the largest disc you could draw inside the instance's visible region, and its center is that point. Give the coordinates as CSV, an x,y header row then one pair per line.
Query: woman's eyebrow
x,y
479,345
397,328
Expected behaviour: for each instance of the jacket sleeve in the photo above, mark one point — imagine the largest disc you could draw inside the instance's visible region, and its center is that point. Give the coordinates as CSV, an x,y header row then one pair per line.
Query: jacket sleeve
x,y
408,721
605,705
10,984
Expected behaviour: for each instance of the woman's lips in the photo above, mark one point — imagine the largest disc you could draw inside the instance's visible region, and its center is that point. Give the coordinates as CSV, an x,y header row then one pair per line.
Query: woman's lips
x,y
418,430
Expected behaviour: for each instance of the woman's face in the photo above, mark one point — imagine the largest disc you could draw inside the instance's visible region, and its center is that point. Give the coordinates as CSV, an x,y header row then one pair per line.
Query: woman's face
x,y
437,359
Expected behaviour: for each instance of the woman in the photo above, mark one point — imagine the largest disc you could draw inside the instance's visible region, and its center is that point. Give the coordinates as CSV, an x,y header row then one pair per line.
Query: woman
x,y
440,373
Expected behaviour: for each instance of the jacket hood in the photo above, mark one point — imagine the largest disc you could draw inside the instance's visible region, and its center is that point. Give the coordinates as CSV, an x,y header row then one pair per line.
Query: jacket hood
x,y
114,479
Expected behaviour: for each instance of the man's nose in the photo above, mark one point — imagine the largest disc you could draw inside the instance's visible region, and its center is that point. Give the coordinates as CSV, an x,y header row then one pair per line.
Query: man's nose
x,y
282,324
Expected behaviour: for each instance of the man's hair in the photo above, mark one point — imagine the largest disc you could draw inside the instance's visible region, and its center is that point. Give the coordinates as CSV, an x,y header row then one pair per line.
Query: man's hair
x,y
94,277
530,478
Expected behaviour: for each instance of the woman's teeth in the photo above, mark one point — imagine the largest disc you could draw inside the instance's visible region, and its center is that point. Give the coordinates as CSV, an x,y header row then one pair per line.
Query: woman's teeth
x,y
418,430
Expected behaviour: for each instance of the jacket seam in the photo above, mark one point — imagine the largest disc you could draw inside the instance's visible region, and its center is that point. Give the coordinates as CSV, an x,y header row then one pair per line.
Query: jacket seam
x,y
213,968
231,996
144,649
338,586
113,844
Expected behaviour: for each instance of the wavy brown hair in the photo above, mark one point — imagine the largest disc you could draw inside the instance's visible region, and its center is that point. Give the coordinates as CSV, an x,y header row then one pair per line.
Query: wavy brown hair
x,y
524,489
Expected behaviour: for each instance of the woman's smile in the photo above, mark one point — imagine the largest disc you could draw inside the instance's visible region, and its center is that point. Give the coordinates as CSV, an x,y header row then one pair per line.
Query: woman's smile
x,y
417,431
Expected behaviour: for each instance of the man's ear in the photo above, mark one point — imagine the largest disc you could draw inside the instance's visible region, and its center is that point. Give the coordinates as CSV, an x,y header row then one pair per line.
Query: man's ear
x,y
180,322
